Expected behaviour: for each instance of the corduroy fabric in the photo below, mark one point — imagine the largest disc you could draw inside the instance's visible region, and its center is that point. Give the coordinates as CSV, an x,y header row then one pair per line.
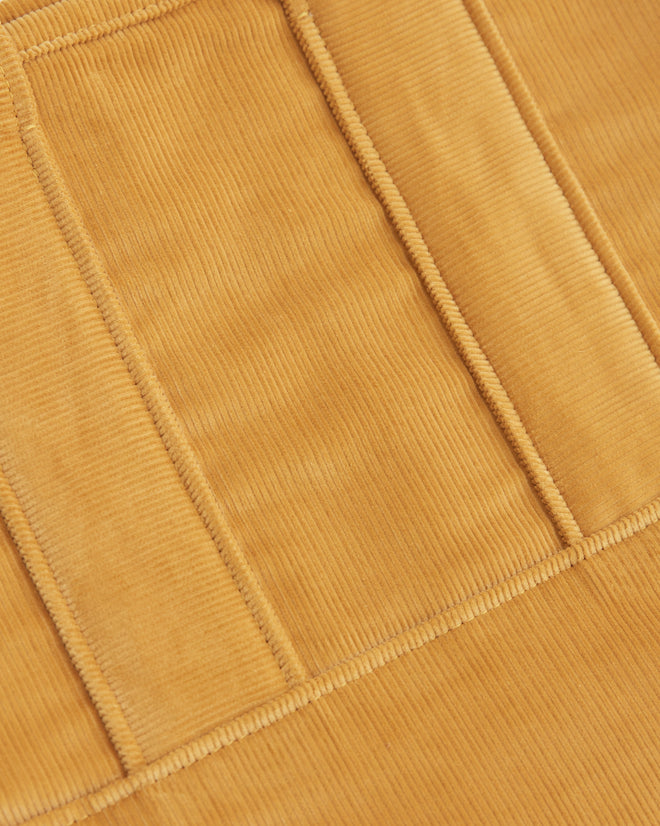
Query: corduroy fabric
x,y
515,256
545,727
593,70
348,502
329,427
47,721
83,423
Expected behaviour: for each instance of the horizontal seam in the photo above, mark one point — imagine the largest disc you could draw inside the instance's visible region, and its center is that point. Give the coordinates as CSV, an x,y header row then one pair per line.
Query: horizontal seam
x,y
451,607
352,670
487,30
96,31
298,697
465,342
562,173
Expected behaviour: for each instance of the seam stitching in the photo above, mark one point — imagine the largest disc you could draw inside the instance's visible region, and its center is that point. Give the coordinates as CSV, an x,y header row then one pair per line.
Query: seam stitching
x,y
495,395
318,687
97,31
178,449
99,689
519,93
449,608
563,175
339,676
101,693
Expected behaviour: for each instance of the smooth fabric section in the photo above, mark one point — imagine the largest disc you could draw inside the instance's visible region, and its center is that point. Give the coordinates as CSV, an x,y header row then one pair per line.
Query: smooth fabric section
x,y
504,237
329,410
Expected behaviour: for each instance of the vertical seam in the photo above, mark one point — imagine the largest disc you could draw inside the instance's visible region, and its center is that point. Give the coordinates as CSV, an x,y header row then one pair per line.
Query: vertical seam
x,y
325,71
103,697
170,430
566,179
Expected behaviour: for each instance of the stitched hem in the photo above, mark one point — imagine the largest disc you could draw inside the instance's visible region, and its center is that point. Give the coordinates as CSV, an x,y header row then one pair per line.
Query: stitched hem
x,y
566,179
350,671
103,697
324,69
171,433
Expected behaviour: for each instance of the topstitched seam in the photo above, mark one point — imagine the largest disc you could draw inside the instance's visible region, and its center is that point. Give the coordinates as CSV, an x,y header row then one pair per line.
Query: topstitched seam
x,y
486,590
563,175
337,677
103,697
321,692
178,450
448,608
523,101
351,670
105,28
495,395
97,686
467,345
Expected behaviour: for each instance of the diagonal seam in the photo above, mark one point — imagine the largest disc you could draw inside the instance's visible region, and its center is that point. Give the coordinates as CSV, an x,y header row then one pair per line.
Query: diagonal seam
x,y
63,617
497,399
102,695
178,449
339,676
566,179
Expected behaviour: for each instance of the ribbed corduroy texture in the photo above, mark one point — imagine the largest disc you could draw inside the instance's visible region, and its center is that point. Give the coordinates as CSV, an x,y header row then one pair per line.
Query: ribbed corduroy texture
x,y
544,727
300,316
510,245
318,368
47,722
593,69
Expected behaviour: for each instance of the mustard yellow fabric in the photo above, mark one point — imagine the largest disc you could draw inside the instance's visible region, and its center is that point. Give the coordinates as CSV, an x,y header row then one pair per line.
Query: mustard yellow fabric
x,y
329,412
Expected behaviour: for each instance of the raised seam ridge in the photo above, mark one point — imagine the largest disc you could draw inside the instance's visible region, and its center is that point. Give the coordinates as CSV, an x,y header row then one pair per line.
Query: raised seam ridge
x,y
497,399
347,672
103,697
178,449
96,31
566,179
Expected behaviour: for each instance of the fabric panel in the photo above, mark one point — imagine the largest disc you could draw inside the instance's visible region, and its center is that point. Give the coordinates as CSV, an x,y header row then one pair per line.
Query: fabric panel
x,y
160,627
54,747
593,69
327,406
556,725
504,237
